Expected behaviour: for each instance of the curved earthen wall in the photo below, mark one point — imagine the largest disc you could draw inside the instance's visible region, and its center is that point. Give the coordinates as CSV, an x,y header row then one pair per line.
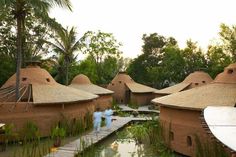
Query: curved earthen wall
x,y
104,101
44,116
141,98
183,126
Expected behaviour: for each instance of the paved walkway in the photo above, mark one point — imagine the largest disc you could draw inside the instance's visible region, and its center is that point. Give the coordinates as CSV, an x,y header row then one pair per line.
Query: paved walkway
x,y
141,109
74,147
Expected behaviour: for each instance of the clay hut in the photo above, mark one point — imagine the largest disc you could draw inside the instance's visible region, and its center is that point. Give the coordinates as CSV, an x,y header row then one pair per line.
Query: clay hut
x,y
42,101
195,79
222,127
126,90
180,112
82,82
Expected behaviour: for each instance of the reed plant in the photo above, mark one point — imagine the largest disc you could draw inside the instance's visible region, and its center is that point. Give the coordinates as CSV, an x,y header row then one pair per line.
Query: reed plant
x,y
209,148
30,132
32,149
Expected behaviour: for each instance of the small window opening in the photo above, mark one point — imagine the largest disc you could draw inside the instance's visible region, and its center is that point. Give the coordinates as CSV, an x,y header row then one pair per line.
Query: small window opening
x,y
121,100
119,81
112,84
230,71
203,81
172,136
48,80
74,120
189,141
24,79
59,124
196,84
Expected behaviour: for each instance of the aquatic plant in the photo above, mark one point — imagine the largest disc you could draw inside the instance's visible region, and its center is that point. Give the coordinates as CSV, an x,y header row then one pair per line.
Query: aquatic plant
x,y
133,104
30,132
32,149
115,106
209,149
57,134
138,132
7,134
159,137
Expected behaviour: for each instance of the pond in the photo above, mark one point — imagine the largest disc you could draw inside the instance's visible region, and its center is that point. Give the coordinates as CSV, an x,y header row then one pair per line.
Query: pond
x,y
123,144
112,147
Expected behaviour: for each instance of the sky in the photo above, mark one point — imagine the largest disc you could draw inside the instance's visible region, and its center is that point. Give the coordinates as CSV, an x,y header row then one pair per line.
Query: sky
x,y
128,20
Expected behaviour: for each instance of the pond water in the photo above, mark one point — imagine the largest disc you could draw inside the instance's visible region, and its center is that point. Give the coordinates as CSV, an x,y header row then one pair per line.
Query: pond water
x,y
116,146
112,147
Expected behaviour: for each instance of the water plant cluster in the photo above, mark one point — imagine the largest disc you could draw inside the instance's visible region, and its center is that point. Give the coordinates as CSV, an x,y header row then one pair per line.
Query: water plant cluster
x,y
28,142
151,133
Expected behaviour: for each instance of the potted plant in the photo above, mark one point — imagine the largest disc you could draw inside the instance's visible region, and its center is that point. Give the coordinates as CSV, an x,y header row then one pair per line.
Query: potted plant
x,y
57,134
6,133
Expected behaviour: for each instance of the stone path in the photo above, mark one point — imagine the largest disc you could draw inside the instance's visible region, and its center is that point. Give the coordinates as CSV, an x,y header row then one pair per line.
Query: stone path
x,y
74,147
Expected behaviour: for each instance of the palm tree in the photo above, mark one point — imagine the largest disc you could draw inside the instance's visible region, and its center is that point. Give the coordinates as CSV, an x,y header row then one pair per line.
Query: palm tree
x,y
65,45
20,10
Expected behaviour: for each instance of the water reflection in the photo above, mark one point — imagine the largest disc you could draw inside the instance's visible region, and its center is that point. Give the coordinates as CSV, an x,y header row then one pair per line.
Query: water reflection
x,y
125,148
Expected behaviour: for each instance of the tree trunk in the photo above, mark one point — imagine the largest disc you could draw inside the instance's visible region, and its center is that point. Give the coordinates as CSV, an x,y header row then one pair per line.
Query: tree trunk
x,y
67,77
19,48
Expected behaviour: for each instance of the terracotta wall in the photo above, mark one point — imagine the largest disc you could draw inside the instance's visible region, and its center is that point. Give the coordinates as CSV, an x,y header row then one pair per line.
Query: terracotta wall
x,y
104,101
119,89
141,98
183,125
44,116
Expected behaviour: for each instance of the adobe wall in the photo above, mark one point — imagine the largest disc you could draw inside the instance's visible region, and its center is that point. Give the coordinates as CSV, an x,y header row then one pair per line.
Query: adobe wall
x,y
44,116
104,101
183,125
119,89
141,98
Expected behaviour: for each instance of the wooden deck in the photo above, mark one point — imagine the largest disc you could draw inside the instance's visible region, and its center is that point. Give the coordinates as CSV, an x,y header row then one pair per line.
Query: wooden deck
x,y
140,109
74,147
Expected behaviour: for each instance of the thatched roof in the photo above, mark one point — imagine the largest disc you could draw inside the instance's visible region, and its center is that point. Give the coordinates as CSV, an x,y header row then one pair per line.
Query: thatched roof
x,y
139,88
122,79
173,89
223,127
199,77
82,82
221,92
81,79
38,86
195,79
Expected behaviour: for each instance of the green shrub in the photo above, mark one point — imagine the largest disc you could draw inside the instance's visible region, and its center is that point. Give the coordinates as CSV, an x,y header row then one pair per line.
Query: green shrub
x,y
133,104
30,132
58,132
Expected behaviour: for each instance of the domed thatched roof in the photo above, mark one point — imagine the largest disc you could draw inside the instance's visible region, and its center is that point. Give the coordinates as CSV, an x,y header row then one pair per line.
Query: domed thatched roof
x,y
199,77
221,92
81,79
82,82
123,79
38,86
195,79
228,75
122,76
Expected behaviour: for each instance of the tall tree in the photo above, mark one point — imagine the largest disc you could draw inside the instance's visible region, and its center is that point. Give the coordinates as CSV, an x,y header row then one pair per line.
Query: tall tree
x,y
217,60
150,62
193,57
35,34
228,37
99,46
20,11
65,44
